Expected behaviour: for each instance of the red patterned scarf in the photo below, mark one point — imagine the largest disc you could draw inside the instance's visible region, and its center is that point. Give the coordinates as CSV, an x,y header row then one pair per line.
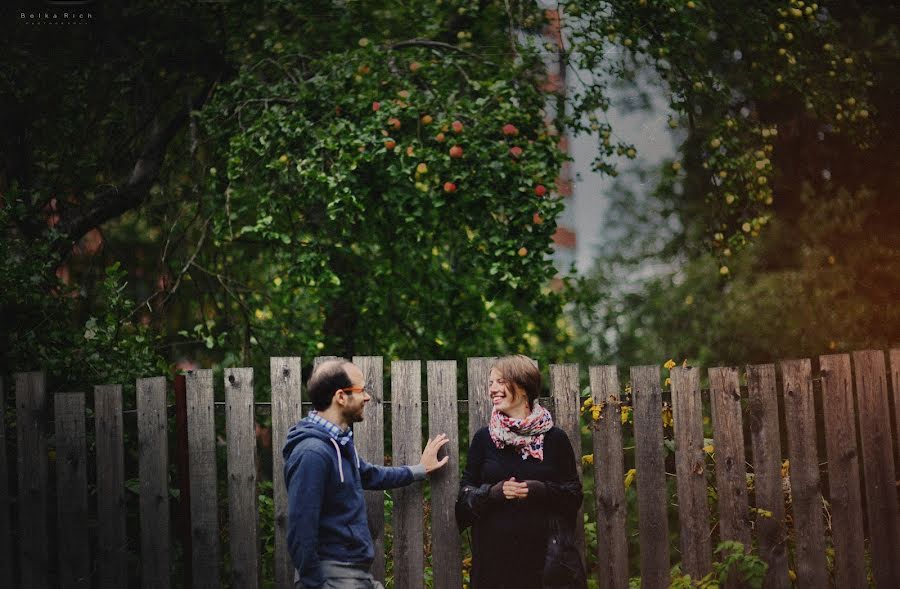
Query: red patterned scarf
x,y
525,434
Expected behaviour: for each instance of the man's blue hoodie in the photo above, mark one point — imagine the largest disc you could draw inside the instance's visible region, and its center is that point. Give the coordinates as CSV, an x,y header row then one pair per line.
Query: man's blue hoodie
x,y
326,509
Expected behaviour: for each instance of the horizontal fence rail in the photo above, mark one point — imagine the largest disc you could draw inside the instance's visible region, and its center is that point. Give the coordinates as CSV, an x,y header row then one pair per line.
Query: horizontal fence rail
x,y
792,481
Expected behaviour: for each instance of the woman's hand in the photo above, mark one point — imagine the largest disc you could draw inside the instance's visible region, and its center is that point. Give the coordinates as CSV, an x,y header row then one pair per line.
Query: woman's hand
x,y
513,489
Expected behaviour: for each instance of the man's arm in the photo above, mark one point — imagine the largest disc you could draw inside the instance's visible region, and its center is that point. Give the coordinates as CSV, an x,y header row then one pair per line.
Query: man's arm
x,y
388,477
305,473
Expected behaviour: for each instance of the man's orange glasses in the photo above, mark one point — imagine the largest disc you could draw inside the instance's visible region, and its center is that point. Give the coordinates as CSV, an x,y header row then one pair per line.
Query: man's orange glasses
x,y
351,390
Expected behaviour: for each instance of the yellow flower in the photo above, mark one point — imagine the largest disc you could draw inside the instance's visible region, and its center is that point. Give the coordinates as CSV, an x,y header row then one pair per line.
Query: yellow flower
x,y
596,410
785,468
670,364
667,419
587,459
629,477
626,411
588,402
668,382
709,449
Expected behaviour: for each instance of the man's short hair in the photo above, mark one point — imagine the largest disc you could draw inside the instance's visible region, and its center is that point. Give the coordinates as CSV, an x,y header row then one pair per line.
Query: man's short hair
x,y
521,371
326,378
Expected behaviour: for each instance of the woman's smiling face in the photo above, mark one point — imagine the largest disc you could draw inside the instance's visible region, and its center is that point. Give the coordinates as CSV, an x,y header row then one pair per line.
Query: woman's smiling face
x,y
507,397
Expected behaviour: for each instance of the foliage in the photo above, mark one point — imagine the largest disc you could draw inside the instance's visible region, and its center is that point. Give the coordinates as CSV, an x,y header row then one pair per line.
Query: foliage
x,y
729,71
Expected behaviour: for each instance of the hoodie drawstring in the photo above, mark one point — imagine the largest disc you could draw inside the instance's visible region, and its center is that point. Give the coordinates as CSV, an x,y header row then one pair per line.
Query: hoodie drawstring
x,y
337,450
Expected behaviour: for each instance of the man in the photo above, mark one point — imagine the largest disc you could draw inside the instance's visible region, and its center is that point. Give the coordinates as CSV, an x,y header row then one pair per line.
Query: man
x,y
328,534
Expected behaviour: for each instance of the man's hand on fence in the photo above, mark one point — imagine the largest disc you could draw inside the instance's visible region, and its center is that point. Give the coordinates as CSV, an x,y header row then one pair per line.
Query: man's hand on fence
x,y
429,454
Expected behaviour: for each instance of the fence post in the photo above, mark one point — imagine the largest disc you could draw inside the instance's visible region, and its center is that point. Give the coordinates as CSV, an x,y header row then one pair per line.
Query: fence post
x,y
566,392
112,549
806,498
609,472
442,418
406,430
731,473
31,428
478,371
184,476
153,443
243,513
895,379
766,441
690,471
878,466
71,497
285,378
202,464
6,558
368,437
653,521
843,471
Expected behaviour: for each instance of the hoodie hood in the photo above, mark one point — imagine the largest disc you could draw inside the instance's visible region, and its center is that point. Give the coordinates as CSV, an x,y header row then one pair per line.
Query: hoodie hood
x,y
309,430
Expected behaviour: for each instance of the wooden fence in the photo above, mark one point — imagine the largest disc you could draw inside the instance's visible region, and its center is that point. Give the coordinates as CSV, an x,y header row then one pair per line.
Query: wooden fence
x,y
855,404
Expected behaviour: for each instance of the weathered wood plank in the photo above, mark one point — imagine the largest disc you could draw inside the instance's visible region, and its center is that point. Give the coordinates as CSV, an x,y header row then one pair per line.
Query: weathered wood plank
x,y
368,437
153,450
285,377
731,472
878,466
690,469
442,419
71,500
762,414
843,471
243,512
800,417
406,430
6,533
112,547
566,392
478,371
202,464
609,472
895,379
653,522
31,430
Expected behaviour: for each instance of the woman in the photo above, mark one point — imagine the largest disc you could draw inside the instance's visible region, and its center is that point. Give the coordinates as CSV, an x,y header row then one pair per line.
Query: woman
x,y
520,475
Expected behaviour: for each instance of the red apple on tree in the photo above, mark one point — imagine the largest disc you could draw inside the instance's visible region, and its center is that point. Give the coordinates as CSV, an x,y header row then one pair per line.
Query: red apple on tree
x,y
394,123
457,126
515,151
390,144
540,190
440,137
449,187
456,151
510,130
376,105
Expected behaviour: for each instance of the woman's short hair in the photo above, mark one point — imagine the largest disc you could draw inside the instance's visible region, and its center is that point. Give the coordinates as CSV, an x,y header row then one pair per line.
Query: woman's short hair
x,y
521,371
325,380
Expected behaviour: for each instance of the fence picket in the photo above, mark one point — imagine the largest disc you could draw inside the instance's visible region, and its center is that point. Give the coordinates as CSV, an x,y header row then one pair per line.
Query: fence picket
x,y
71,476
609,471
31,428
878,466
243,513
112,548
368,437
202,465
762,414
6,557
153,443
728,436
406,431
565,390
653,521
895,379
442,418
806,498
690,470
478,370
843,471
285,378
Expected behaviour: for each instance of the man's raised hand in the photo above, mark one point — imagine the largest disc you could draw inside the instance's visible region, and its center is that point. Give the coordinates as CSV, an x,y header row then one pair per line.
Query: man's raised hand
x,y
429,454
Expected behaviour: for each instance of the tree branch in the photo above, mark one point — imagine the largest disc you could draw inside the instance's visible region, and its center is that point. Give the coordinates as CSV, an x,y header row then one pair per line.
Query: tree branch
x,y
116,200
